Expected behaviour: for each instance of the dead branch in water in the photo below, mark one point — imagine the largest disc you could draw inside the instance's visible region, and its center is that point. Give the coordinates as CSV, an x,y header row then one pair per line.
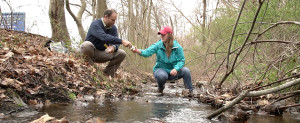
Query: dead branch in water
x,y
287,96
254,94
229,105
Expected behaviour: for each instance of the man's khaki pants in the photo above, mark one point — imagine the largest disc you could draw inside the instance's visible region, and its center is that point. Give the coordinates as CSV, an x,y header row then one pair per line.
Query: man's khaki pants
x,y
93,55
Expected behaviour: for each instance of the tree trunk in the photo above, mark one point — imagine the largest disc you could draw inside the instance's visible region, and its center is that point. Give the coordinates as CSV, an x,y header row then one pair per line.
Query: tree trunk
x,y
131,20
149,24
204,21
1,16
58,21
94,3
101,7
229,105
158,25
78,19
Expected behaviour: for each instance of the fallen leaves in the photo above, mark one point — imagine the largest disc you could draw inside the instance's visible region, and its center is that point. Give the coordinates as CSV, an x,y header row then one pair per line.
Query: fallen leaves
x,y
43,119
27,66
5,55
7,82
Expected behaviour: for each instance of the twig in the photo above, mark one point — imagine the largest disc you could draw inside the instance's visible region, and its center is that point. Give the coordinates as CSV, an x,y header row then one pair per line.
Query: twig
x,y
278,23
288,106
285,97
217,71
295,76
298,91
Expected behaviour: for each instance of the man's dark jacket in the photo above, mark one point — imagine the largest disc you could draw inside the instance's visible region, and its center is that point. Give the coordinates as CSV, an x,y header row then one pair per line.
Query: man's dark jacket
x,y
99,35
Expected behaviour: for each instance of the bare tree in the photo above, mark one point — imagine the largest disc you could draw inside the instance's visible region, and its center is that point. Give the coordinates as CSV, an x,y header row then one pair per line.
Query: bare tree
x,y
228,3
149,23
94,3
1,17
58,21
78,18
98,7
101,7
158,23
204,21
3,20
228,69
131,19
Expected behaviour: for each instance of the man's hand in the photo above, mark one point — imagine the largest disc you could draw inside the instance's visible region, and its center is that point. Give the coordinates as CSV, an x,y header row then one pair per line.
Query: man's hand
x,y
126,43
110,49
173,72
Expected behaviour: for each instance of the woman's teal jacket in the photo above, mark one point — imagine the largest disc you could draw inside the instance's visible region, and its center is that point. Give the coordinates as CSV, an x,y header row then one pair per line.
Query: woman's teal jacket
x,y
175,61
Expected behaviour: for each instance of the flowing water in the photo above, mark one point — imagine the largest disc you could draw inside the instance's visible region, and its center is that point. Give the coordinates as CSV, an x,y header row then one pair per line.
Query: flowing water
x,y
161,109
150,107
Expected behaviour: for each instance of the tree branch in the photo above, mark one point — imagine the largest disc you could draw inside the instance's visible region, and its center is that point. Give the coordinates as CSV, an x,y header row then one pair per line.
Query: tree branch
x,y
78,19
253,94
288,106
295,76
275,89
228,105
287,96
279,23
240,51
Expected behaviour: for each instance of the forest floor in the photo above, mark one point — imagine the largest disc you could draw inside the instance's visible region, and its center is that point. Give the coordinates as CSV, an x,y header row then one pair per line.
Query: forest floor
x,y
33,75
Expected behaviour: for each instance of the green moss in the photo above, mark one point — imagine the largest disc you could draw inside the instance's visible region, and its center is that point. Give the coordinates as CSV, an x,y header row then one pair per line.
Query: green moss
x,y
11,93
72,95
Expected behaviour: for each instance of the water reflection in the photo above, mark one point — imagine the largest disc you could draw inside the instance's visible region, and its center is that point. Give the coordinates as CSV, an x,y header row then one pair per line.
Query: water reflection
x,y
162,108
286,118
82,113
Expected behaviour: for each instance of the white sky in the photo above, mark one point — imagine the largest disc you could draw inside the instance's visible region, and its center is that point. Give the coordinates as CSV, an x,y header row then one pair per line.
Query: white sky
x,y
37,20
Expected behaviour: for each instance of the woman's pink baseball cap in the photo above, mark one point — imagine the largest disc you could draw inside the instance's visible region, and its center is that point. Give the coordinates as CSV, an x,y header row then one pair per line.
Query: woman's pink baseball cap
x,y
165,30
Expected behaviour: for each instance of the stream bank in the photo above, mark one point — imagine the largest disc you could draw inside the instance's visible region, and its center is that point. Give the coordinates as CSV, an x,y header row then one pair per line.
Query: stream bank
x,y
34,78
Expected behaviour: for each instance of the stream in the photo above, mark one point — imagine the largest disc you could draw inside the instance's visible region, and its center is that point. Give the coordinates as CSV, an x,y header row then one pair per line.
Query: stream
x,y
149,107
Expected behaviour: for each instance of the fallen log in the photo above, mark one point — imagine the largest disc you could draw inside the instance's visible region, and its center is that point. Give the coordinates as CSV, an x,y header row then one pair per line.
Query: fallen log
x,y
229,105
237,116
253,94
294,76
274,89
277,110
288,106
287,96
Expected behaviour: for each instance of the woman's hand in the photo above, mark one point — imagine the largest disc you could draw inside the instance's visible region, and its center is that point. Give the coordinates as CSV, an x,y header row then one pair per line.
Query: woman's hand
x,y
135,50
173,72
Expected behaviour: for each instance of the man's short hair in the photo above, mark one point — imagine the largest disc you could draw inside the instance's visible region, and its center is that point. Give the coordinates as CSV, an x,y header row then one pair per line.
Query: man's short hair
x,y
109,12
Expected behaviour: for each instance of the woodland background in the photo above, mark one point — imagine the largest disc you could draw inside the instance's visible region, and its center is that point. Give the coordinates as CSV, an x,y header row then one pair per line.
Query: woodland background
x,y
240,50
237,42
